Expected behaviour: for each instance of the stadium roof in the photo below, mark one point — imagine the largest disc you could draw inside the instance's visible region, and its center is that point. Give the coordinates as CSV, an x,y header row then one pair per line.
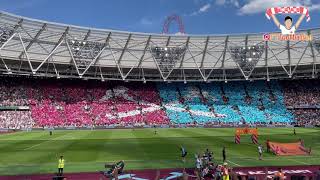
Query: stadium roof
x,y
39,48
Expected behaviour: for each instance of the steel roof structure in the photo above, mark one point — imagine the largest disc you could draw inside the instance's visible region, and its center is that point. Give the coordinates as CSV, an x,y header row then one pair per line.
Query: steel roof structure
x,y
38,48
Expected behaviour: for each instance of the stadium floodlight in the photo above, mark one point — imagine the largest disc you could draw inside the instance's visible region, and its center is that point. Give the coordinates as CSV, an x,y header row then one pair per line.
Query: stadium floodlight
x,y
167,57
84,52
246,57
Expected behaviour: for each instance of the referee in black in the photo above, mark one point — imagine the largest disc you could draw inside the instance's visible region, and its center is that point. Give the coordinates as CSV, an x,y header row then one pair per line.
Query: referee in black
x,y
224,154
155,129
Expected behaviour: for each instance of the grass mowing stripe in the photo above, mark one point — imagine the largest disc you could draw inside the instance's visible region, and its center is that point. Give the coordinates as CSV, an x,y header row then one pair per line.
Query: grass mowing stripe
x,y
87,150
139,144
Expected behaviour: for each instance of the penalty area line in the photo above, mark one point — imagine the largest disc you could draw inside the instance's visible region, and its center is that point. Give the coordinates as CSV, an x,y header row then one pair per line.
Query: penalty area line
x,y
45,142
233,163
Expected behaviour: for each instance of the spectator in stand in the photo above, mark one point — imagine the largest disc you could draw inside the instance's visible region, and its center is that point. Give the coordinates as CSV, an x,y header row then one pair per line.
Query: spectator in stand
x,y
157,175
218,172
279,175
317,173
225,171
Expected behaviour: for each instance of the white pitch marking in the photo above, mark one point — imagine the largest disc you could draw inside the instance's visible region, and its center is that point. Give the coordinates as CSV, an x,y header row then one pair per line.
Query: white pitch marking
x,y
298,161
233,163
44,142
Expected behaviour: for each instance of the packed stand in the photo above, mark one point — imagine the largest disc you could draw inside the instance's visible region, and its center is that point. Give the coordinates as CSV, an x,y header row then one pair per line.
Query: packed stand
x,y
176,111
78,103
12,92
303,98
268,98
233,103
74,103
302,92
16,120
307,117
96,105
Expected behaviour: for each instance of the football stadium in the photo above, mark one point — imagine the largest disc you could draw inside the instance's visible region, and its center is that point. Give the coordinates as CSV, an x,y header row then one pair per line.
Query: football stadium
x,y
87,103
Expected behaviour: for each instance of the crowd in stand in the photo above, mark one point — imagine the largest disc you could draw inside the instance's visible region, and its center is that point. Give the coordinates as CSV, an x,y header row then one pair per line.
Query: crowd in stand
x,y
303,96
302,92
63,103
16,120
307,117
12,92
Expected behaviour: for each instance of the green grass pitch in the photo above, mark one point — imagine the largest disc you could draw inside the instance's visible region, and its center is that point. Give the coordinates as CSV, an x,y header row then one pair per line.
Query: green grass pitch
x,y
86,150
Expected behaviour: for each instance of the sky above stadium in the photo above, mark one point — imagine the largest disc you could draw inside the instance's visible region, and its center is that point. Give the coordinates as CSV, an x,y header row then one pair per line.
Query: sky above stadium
x,y
199,16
